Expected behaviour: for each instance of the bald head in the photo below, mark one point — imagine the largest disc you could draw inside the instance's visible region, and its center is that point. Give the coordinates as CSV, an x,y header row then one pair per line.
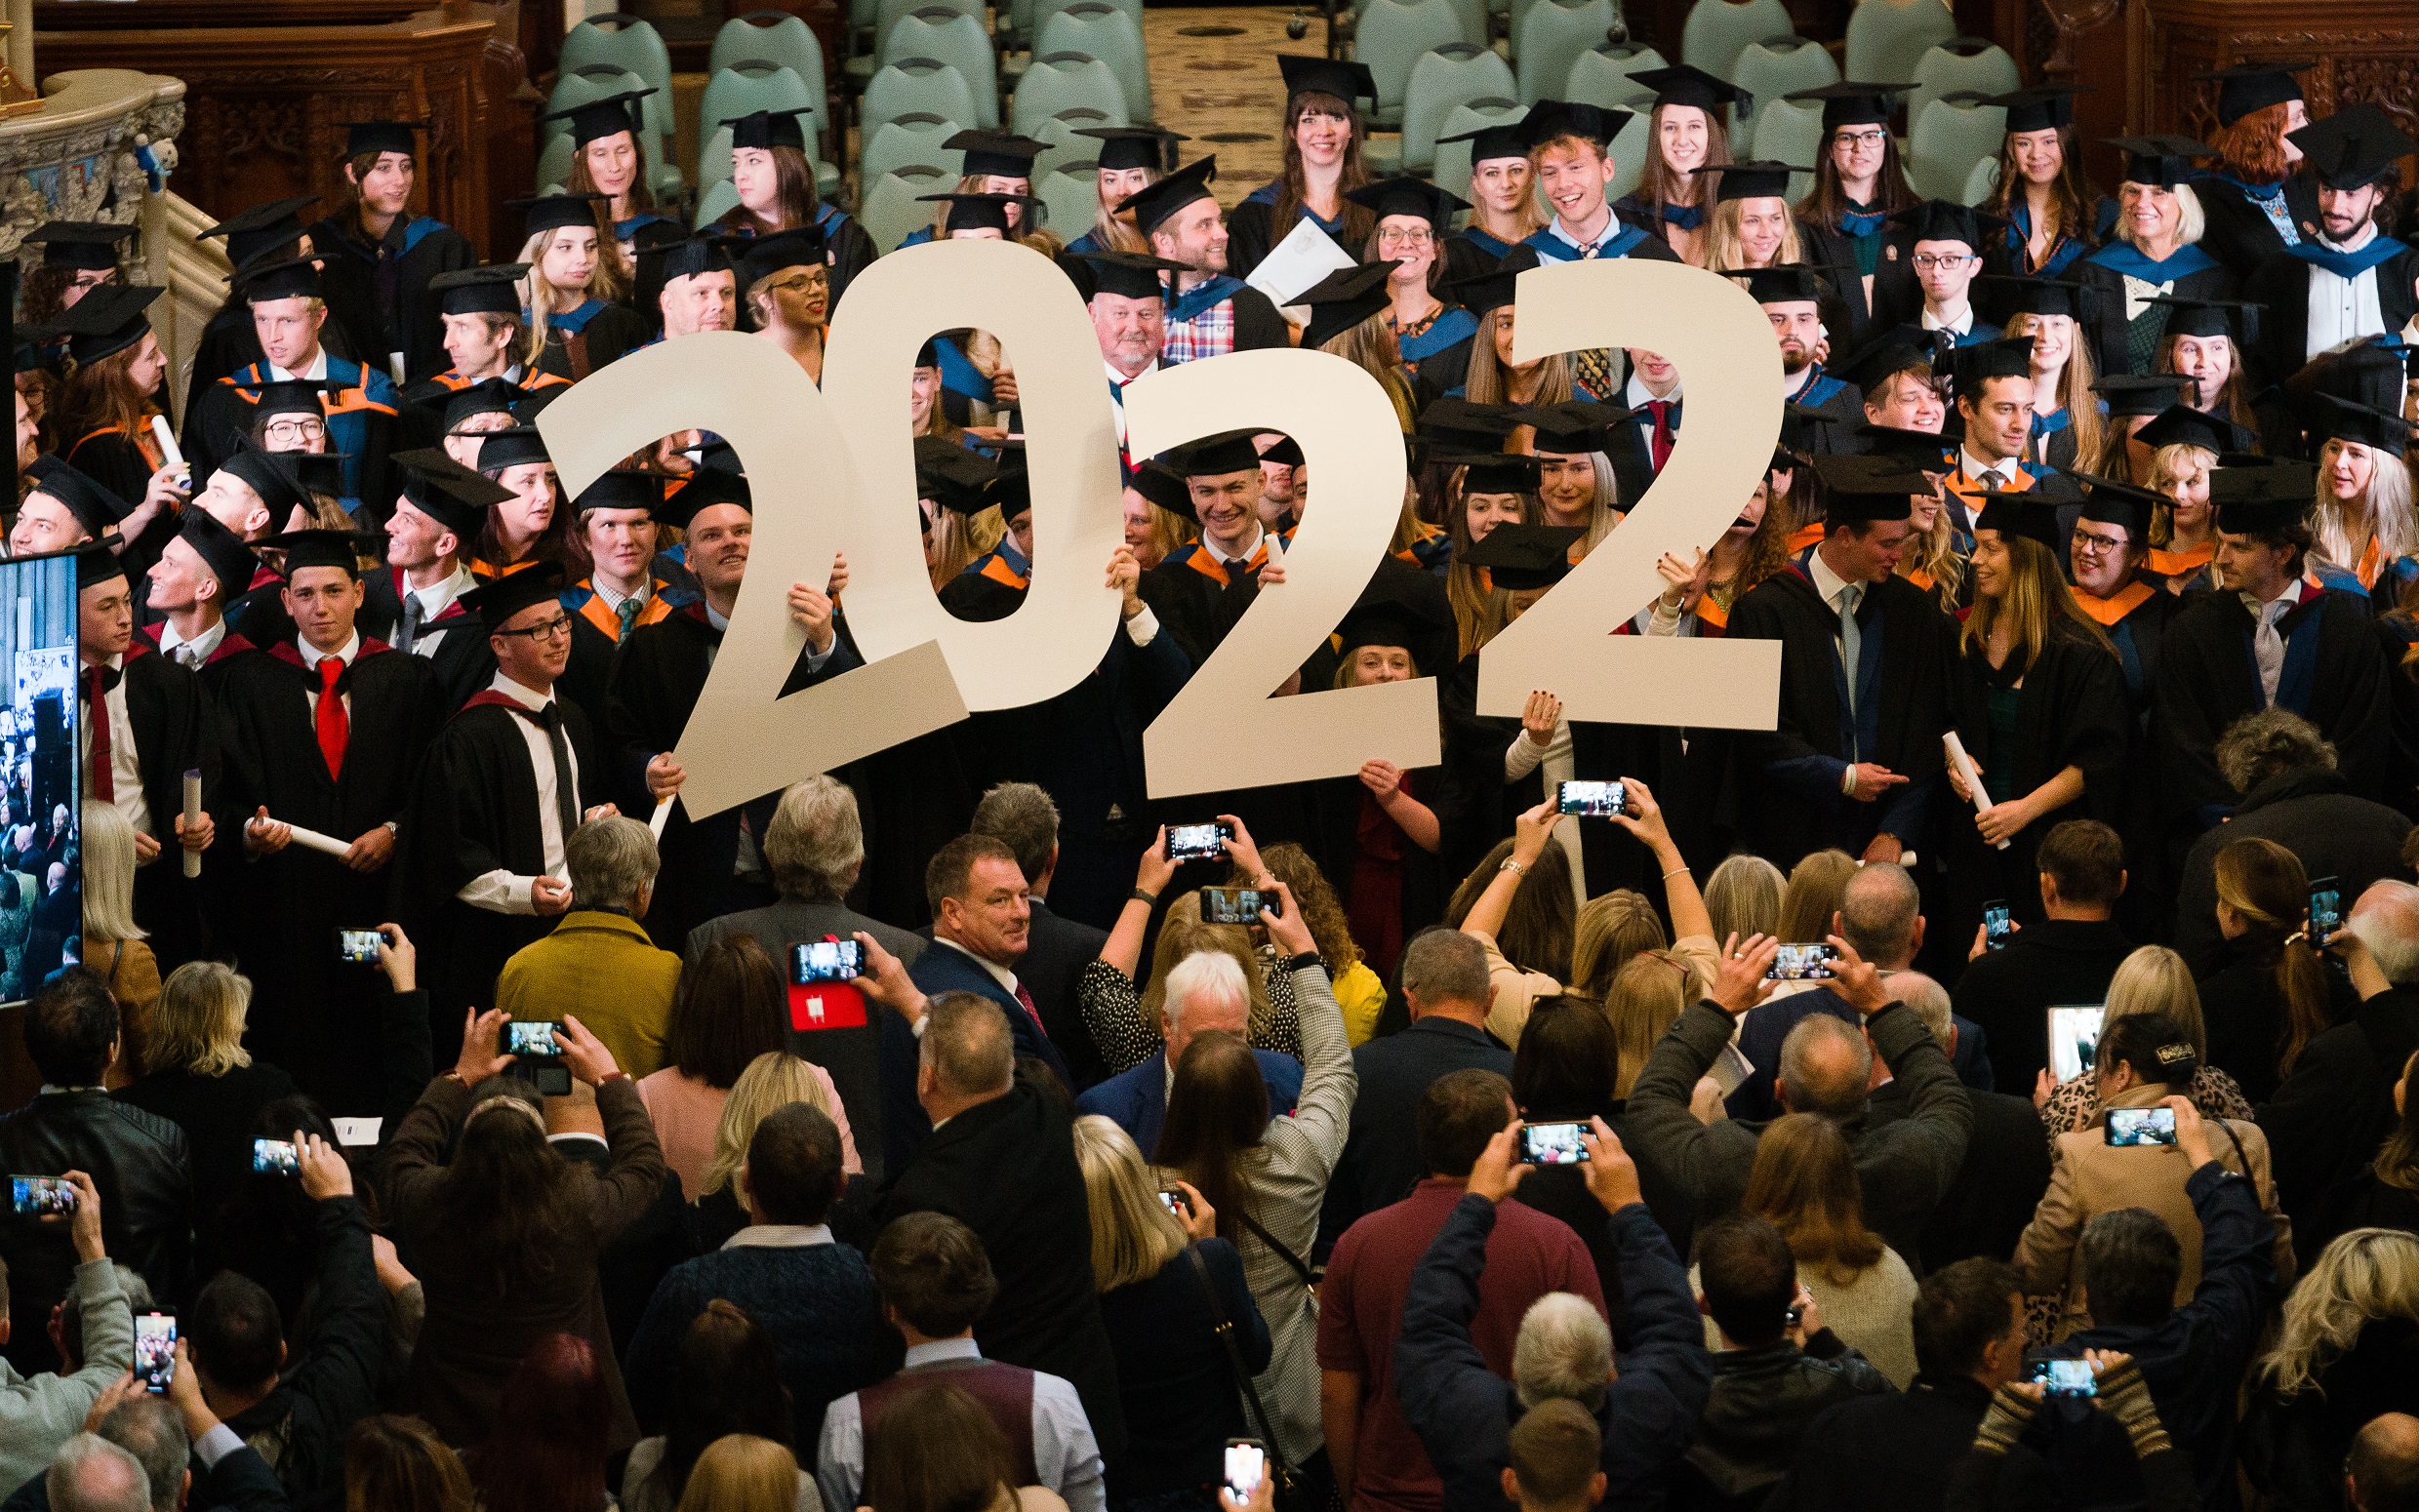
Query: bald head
x,y
2380,1473
2385,923
1825,1067
1882,914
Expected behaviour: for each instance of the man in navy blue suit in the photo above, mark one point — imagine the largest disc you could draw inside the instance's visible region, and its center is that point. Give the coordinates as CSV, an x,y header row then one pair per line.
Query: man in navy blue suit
x,y
1206,993
982,920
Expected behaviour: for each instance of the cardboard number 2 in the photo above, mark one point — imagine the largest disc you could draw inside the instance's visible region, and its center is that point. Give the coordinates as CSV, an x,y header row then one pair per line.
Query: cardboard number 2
x,y
1722,346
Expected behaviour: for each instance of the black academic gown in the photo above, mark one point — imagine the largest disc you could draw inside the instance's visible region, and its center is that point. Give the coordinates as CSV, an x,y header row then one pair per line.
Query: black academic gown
x,y
176,731
1834,250
117,463
2334,675
383,287
2240,233
606,331
2071,711
2136,630
454,643
2109,331
2282,284
654,687
308,1005
473,810
1787,779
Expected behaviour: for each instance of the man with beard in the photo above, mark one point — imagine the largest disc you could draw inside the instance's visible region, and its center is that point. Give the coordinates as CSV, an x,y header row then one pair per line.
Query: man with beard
x,y
2351,280
1209,313
1129,315
697,288
1792,299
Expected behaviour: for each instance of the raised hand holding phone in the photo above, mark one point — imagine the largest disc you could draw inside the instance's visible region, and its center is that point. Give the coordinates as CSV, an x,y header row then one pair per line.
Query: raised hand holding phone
x,y
1499,1168
587,1055
885,980
1612,1176
1287,930
84,1224
479,1058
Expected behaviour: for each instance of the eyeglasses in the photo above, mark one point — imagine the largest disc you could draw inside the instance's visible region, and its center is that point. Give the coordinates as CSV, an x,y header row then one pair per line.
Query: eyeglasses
x,y
556,629
801,281
1926,261
2095,546
297,430
1414,236
1872,138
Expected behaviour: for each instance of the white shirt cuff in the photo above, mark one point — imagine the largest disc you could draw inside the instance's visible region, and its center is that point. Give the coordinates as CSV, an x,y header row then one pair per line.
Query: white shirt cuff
x,y
215,1445
1143,628
499,892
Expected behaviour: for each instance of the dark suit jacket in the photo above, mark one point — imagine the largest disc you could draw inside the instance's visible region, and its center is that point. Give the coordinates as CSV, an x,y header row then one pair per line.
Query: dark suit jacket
x,y
1055,952
2311,813
1136,1099
2324,1124
1381,1162
943,969
1006,1169
1768,1024
2005,1171
242,1480
2054,962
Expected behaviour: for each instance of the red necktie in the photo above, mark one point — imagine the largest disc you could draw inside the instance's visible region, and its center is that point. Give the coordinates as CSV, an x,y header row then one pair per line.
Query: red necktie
x,y
104,781
1659,447
333,728
1024,1001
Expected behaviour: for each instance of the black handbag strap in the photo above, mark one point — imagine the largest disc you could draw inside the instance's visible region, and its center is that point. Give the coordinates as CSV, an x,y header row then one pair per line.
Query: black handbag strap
x,y
1223,1327
1300,1267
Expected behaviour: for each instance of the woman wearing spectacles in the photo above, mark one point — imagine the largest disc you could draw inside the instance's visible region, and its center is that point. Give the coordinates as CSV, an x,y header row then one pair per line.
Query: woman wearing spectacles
x,y
1858,185
1412,219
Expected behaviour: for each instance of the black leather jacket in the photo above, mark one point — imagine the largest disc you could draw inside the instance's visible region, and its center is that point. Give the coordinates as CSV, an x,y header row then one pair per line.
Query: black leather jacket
x,y
1762,1403
140,1164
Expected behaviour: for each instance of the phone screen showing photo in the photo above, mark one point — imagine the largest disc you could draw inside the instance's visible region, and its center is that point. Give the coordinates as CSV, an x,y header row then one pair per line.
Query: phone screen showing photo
x,y
155,1349
2141,1126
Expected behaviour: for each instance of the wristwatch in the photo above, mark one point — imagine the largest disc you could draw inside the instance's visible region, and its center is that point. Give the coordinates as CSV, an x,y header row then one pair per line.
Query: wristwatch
x,y
1306,960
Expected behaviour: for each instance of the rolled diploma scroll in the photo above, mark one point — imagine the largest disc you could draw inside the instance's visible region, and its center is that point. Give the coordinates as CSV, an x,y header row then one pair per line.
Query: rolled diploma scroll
x,y
193,814
168,446
311,839
1965,769
662,816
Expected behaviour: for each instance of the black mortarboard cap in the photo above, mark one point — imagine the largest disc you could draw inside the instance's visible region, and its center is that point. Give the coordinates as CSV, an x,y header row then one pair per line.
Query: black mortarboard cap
x,y
1010,488
321,548
2235,320
2025,295
95,507
996,154
1551,118
951,475
362,138
2025,513
766,255
980,212
1130,275
448,493
1688,85
1343,299
498,599
261,229
2340,418
2180,424
95,565
1573,426
318,473
2039,108
80,244
1783,283
221,549
1523,557
1496,139
1345,81
692,256
553,211
622,488
2138,393
107,320
1854,102
1178,190
1947,221
287,278
2121,504
514,446
297,396
1284,452
1890,352
708,486
1860,488
1395,611
1483,293
1924,448
599,119
480,290
1139,145
2273,497
1497,472
2357,146
2161,162
1985,360
1217,457
1757,180
2249,87
1460,425
270,474
1164,487
487,396
2369,372
764,130
1407,196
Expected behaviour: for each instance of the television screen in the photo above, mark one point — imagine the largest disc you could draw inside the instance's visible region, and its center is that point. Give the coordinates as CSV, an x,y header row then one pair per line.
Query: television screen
x,y
41,863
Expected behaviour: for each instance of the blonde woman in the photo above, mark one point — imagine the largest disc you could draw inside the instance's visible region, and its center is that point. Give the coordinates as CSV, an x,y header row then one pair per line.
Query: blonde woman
x,y
1493,378
1816,885
197,1074
741,1472
1166,1283
1360,991
2348,1351
2154,979
775,1079
2184,528
2367,535
1932,560
1131,159
113,942
573,292
1743,898
1502,198
1649,993
1752,225
2067,424
1352,317
996,163
1575,483
2154,253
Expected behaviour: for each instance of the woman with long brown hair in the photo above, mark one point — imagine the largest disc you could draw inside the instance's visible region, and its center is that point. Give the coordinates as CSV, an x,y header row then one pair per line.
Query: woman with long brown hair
x,y
996,163
1858,185
729,1008
574,292
1131,159
78,257
398,1464
533,525
1804,1184
610,158
1323,137
2199,344
2267,998
1483,494
2053,215
2040,701
775,186
1685,134
1352,317
105,411
376,257
1503,195
553,1431
2256,204
1491,375
1697,595
2067,423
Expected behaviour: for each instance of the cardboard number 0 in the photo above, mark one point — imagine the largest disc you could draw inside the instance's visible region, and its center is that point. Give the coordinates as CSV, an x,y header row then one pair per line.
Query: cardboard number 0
x,y
1349,436
1722,344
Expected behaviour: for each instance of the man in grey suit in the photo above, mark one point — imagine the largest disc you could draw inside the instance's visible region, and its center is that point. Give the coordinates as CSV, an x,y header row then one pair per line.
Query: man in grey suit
x,y
814,846
1022,816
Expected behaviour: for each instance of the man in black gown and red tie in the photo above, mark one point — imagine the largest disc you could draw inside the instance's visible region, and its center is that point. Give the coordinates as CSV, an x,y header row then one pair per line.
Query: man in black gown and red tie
x,y
506,783
324,730
144,720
